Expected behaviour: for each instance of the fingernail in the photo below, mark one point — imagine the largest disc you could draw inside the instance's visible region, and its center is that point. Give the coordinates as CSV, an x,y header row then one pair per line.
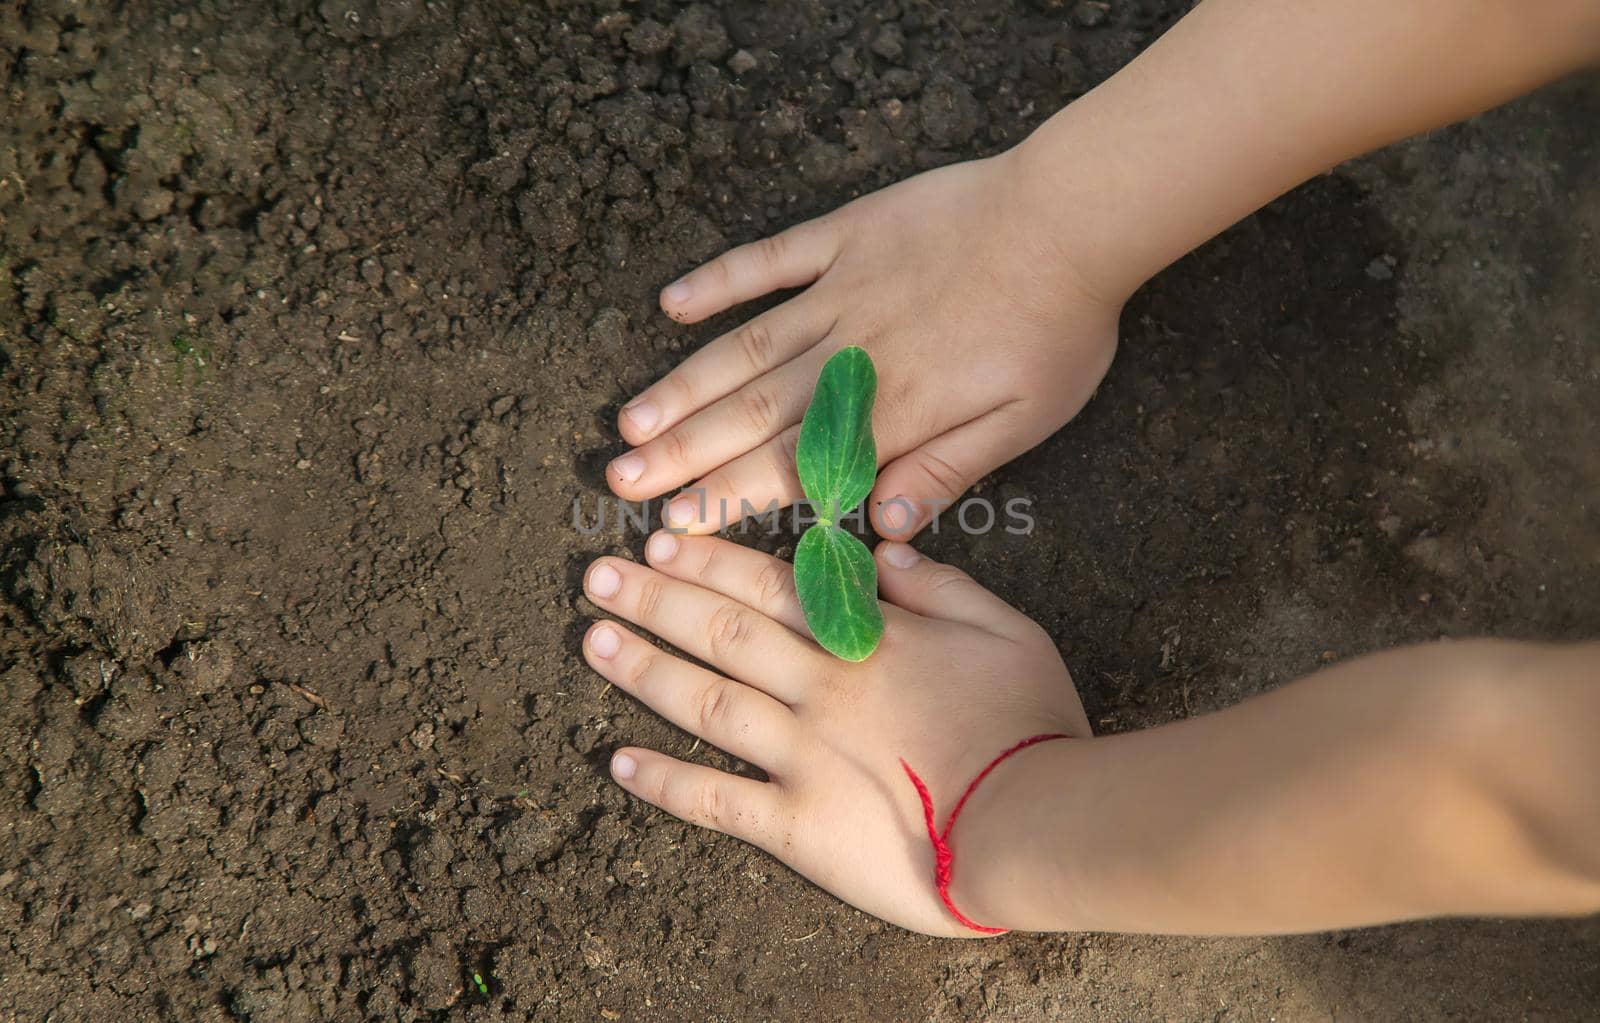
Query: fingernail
x,y
629,467
896,512
661,548
681,512
623,767
604,582
605,642
643,415
678,291
901,555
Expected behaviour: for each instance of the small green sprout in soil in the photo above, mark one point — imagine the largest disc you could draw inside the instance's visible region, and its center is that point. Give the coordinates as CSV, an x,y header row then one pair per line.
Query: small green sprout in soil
x,y
192,357
837,458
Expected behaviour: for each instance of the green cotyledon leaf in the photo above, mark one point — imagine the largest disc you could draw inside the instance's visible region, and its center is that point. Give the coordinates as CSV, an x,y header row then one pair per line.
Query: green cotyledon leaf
x,y
836,457
837,460
837,581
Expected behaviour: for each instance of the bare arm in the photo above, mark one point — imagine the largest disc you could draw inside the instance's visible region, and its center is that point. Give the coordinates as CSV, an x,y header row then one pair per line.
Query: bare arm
x,y
1244,99
1448,779
997,284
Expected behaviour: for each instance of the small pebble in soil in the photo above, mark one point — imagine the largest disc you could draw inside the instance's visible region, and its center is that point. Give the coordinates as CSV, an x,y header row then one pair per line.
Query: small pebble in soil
x,y
1091,14
889,43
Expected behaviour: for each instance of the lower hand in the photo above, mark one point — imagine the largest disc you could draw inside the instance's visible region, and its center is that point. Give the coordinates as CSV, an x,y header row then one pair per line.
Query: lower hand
x,y
959,676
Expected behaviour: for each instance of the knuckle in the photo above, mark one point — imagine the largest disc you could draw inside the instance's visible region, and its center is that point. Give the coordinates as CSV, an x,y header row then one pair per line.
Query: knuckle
x,y
782,454
719,492
651,592
708,806
639,675
946,577
677,447
756,341
725,269
680,382
941,473
772,583
729,629
713,707
709,567
661,788
758,409
772,251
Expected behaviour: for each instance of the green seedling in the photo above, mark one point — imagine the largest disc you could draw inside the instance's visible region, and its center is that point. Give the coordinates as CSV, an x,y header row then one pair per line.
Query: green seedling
x,y
837,459
192,356
483,987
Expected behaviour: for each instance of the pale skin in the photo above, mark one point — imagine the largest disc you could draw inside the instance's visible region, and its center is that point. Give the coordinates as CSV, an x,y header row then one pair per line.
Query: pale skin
x,y
1455,778
1439,780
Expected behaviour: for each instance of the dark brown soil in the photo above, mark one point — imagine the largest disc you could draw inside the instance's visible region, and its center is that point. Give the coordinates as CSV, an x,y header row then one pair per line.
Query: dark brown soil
x,y
314,320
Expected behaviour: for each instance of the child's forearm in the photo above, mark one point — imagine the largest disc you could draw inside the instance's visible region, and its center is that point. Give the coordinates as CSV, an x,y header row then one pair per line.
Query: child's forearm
x,y
1454,778
1244,99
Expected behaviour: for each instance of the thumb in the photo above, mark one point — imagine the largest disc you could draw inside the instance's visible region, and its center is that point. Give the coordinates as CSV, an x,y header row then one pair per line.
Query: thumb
x,y
934,590
914,488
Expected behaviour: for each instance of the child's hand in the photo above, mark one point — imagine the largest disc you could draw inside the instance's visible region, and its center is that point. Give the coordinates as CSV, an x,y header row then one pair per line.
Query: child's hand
x,y
985,338
959,677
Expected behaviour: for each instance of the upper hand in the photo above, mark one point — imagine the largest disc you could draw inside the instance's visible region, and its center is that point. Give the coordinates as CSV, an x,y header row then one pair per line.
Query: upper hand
x,y
985,339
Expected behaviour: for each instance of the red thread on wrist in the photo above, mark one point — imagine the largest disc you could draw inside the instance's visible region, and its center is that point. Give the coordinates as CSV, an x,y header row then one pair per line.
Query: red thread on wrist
x,y
942,857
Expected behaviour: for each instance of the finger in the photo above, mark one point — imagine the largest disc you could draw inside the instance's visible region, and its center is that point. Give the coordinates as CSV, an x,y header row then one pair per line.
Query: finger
x,y
726,634
733,570
724,365
759,483
755,482
788,259
731,716
738,423
742,807
933,590
916,486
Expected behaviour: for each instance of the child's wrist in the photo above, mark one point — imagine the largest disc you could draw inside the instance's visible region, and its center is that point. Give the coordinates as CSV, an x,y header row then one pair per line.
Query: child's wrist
x,y
1009,870
1056,235
1057,179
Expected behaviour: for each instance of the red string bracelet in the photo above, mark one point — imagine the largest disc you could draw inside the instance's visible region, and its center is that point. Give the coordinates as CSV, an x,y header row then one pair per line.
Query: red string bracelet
x,y
942,856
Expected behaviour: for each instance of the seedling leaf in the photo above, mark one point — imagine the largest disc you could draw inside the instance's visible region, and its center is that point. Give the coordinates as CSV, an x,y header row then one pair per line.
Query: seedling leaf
x,y
837,581
836,457
837,460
